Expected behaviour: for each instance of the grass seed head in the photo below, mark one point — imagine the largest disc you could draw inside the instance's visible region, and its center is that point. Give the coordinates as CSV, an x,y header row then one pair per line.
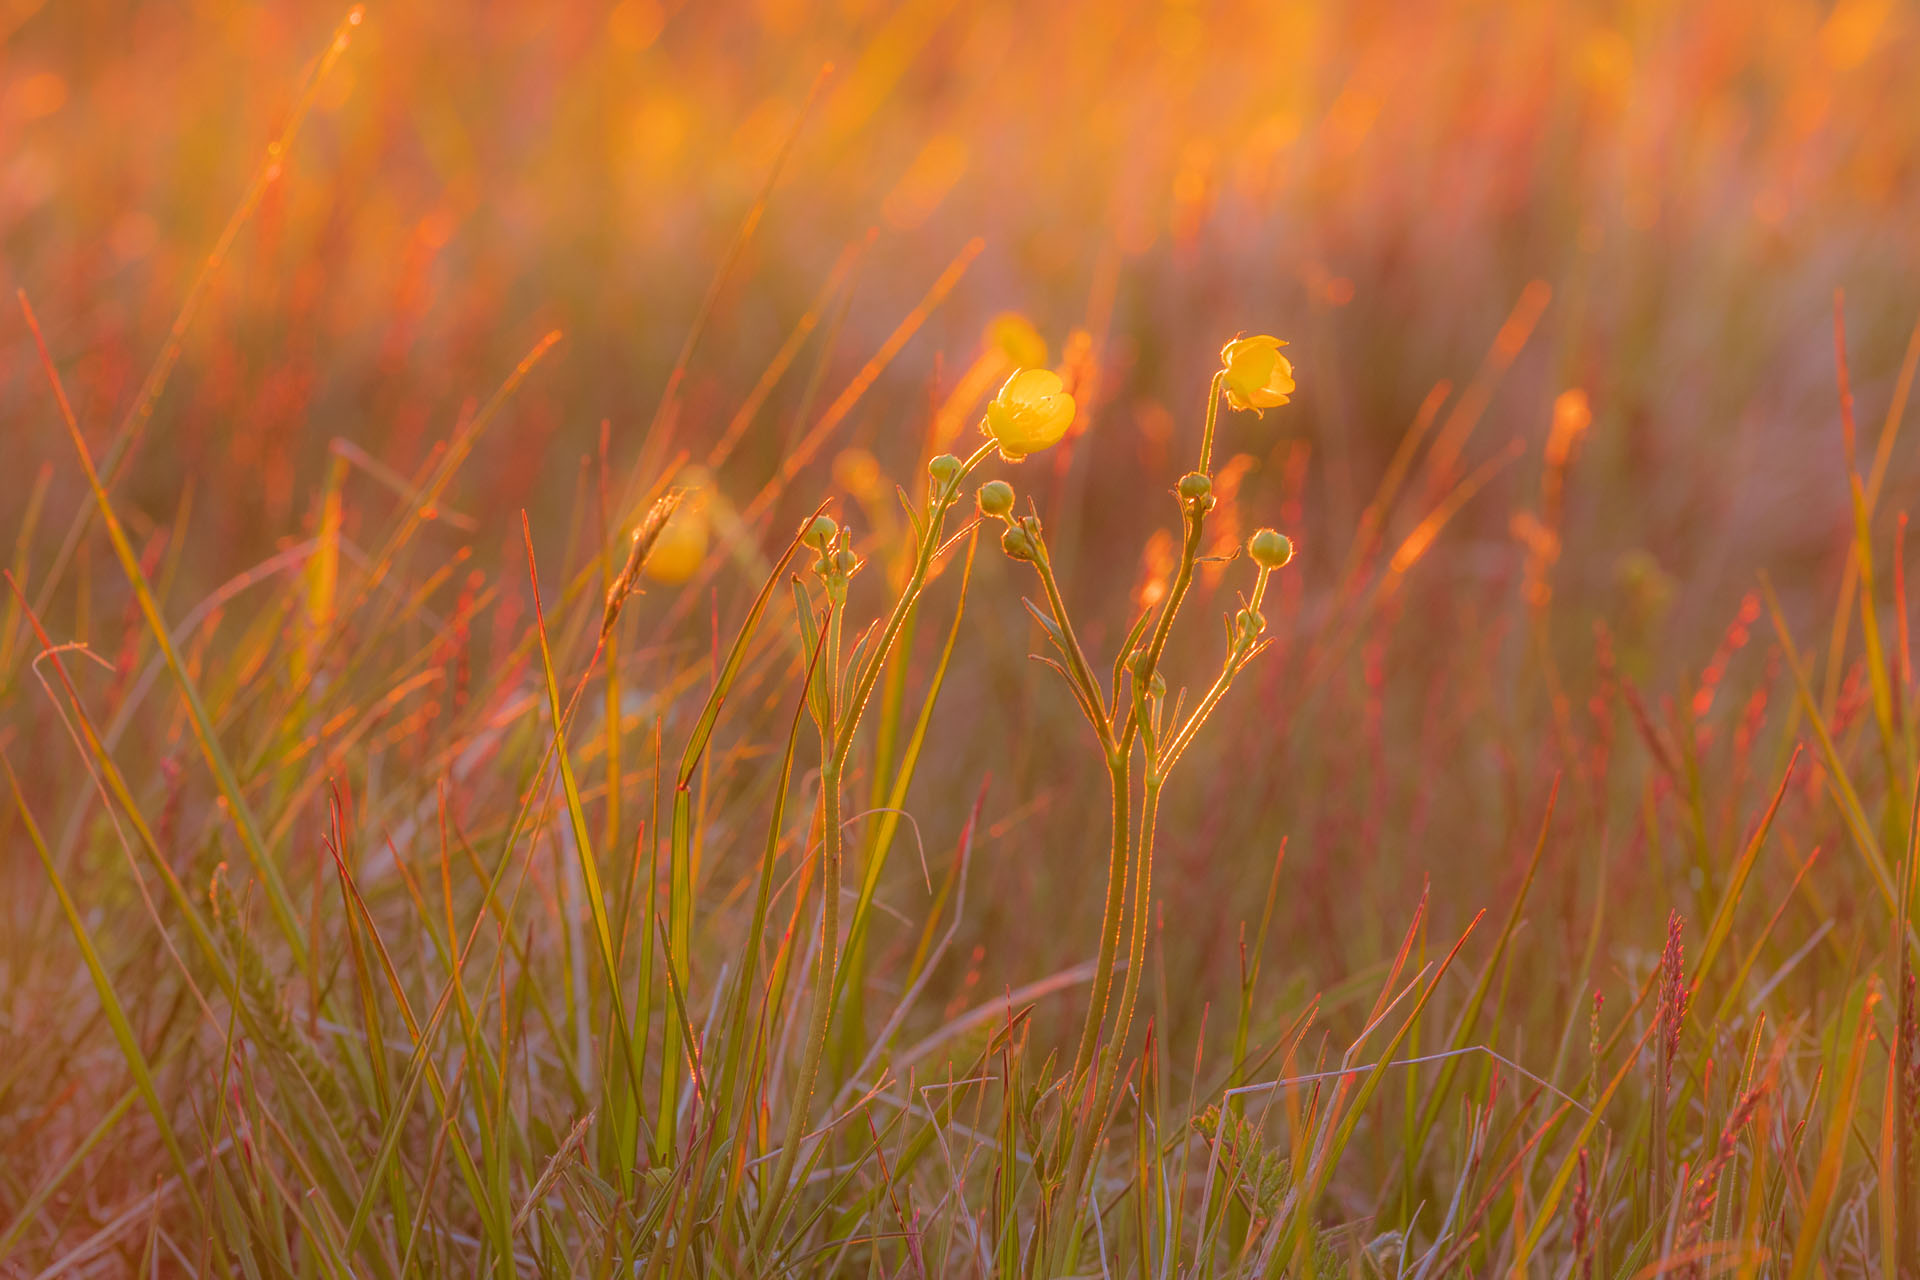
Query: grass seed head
x,y
1673,997
645,535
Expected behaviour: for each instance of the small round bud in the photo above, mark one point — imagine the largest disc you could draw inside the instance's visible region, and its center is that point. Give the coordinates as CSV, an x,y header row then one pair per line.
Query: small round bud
x,y
1137,662
1195,485
943,469
1157,687
821,532
1270,549
1016,543
1250,622
845,562
995,498
823,566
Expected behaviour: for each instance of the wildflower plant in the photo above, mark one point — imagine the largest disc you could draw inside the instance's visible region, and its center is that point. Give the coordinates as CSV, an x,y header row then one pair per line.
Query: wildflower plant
x,y
1129,715
382,905
837,699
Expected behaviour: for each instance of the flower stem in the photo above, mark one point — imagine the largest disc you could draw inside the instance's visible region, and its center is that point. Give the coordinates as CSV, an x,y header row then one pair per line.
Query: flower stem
x,y
1213,416
1195,513
836,743
1196,517
1137,956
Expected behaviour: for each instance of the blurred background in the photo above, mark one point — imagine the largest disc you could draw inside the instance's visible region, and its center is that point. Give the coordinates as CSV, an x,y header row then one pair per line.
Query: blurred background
x,y
1375,182
1628,219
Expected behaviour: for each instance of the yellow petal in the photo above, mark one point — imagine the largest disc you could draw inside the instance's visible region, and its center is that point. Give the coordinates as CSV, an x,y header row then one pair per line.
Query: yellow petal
x,y
1257,376
1032,412
1031,384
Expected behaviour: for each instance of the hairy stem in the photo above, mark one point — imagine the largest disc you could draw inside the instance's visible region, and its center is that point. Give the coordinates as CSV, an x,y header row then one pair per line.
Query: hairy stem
x,y
1196,518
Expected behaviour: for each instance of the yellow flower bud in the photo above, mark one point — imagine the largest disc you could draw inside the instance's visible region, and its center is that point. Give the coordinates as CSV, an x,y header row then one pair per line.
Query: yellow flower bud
x,y
1258,376
1013,336
1031,413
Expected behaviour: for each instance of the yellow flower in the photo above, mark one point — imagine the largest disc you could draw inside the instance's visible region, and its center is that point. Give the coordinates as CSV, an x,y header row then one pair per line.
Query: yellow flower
x,y
1258,376
1013,336
1031,413
681,548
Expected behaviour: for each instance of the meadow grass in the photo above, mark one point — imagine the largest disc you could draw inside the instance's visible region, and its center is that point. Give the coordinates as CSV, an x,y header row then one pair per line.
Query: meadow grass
x,y
752,844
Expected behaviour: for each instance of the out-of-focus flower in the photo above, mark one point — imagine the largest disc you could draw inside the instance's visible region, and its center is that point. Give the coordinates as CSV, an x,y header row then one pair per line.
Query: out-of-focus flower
x,y
858,472
1258,376
1031,413
1013,336
681,548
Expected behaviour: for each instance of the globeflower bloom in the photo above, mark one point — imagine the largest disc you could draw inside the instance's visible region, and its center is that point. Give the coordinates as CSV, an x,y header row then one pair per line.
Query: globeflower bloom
x,y
1258,376
1031,413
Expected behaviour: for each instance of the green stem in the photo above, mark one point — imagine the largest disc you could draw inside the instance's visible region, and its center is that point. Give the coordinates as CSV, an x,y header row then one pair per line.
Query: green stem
x,y
1079,1165
1137,957
1117,766
1110,925
1117,740
1237,656
836,743
820,1018
1196,516
1077,667
849,719
1213,416
820,1013
1080,1150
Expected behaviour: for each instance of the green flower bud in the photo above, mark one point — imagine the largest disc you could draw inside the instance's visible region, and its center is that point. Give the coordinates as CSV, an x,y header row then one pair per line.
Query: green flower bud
x,y
1249,623
1016,543
1269,548
821,532
1195,485
1157,687
845,562
995,498
944,469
